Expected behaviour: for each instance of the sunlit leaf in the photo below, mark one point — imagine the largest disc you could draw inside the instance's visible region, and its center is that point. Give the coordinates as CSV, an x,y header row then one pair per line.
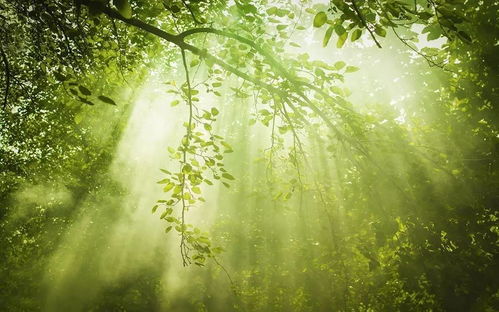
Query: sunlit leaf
x,y
339,65
228,176
320,19
123,7
356,35
380,31
341,40
327,36
351,69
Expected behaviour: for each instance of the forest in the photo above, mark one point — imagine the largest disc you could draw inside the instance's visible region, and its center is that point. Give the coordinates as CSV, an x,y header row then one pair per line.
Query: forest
x,y
249,155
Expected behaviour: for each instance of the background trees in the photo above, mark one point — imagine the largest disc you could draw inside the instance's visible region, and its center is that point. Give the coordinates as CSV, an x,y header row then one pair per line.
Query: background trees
x,y
359,200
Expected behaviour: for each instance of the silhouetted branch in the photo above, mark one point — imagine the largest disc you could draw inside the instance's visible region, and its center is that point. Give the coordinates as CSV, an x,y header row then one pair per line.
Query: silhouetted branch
x,y
7,76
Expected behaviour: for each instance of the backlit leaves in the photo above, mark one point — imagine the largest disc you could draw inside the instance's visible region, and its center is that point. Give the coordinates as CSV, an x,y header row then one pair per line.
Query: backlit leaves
x,y
123,7
327,36
320,19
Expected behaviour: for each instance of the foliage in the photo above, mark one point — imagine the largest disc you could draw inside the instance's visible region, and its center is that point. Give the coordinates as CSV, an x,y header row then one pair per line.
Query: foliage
x,y
356,204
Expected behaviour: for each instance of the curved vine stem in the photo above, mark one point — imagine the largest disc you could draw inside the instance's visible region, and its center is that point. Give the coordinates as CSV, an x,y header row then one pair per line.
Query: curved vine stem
x,y
184,250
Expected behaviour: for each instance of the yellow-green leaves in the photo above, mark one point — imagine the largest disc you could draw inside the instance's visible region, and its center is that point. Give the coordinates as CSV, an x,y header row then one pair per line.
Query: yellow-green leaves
x,y
341,40
228,176
356,35
194,62
123,7
320,19
343,35
351,69
380,31
327,36
339,65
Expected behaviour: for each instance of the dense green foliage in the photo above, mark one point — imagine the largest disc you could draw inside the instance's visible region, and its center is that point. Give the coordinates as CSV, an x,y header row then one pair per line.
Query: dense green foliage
x,y
287,174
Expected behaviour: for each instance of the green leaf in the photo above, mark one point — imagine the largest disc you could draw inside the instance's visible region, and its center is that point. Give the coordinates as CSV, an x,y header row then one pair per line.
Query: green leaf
x,y
272,11
340,30
351,69
464,36
425,15
123,7
59,76
78,118
228,176
106,100
168,229
84,90
168,187
327,36
196,190
174,103
380,31
339,65
214,111
356,35
155,208
320,19
85,101
341,40
194,62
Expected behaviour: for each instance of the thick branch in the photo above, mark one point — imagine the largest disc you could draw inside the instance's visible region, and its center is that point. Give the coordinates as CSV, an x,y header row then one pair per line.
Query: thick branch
x,y
271,60
7,76
178,40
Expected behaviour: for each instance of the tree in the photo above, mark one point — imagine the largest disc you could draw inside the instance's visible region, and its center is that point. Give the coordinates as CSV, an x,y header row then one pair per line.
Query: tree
x,y
408,229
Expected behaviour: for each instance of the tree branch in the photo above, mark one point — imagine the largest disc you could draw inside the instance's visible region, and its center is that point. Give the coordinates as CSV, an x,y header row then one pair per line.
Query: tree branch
x,y
194,18
184,251
7,76
178,40
361,17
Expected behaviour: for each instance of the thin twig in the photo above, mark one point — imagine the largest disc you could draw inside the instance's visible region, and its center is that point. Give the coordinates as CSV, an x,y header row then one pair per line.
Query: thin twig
x,y
361,17
191,12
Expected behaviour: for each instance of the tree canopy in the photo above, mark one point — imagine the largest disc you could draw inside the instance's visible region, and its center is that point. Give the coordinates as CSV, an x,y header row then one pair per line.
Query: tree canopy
x,y
300,155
